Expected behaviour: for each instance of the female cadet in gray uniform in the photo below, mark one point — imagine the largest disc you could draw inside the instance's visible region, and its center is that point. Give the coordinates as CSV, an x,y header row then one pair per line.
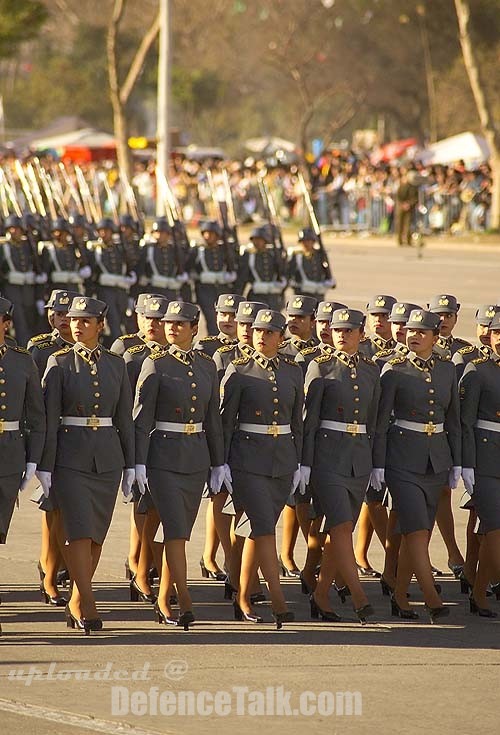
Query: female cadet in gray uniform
x,y
20,401
480,402
90,439
418,442
342,394
178,437
262,398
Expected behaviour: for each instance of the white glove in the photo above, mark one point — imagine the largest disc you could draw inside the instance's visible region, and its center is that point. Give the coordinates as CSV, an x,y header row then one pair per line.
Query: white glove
x,y
330,283
182,277
131,279
228,479
217,477
128,478
469,479
377,478
29,474
40,307
454,477
85,272
305,478
296,479
141,478
230,277
45,481
41,278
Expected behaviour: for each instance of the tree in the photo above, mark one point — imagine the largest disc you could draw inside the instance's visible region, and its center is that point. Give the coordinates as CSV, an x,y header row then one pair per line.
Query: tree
x,y
484,104
20,20
120,91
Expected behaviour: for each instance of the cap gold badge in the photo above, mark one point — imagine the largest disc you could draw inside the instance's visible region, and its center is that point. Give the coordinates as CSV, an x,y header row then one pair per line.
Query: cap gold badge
x,y
344,316
246,310
81,304
63,300
418,316
380,301
400,309
297,304
490,312
444,301
267,317
175,308
327,308
229,301
154,305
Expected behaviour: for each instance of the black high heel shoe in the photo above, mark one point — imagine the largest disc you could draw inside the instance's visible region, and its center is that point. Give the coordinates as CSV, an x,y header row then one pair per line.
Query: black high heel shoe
x,y
465,585
162,618
483,612
129,575
368,572
137,594
399,612
218,575
364,612
283,617
437,612
249,617
456,570
495,590
304,587
41,573
330,616
185,619
84,624
57,601
343,592
285,572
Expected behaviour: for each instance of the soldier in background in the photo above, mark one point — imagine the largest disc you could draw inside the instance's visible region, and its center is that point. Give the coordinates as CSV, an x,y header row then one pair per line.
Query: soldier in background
x,y
378,325
111,275
262,271
243,347
211,264
125,341
130,239
162,263
65,266
308,268
482,347
225,309
20,278
406,203
42,346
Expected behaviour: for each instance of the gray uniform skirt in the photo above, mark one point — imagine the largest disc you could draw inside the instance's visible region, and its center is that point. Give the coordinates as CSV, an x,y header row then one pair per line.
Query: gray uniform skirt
x,y
340,497
177,499
416,497
262,498
86,500
9,486
487,502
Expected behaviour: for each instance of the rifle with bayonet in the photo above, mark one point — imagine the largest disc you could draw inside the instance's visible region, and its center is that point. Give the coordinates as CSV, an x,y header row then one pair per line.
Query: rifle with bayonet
x,y
229,255
275,235
315,224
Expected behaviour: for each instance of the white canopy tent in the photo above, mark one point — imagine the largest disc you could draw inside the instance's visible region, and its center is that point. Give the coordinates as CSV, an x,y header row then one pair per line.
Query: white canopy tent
x,y
471,148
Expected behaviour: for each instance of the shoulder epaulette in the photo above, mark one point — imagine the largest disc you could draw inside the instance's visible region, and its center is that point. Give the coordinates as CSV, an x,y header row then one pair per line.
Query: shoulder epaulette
x,y
309,350
369,359
396,361
479,360
40,338
240,361
225,348
364,340
123,337
44,345
62,351
136,348
465,350
157,355
443,358
288,360
209,338
322,358
381,353
461,341
23,350
200,353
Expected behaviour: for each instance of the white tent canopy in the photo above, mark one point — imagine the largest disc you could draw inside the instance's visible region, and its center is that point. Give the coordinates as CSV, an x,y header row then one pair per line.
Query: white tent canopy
x,y
88,137
471,148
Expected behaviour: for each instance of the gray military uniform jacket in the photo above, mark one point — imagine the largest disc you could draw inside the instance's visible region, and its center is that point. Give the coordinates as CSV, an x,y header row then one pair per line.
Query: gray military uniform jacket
x,y
256,390
306,356
178,387
479,391
447,346
224,356
212,343
79,382
344,388
373,344
20,400
134,358
423,392
126,341
467,354
293,345
41,349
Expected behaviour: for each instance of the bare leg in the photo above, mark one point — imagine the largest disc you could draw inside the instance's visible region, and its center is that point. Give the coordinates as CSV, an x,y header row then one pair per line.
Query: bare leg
x,y
175,555
404,575
265,551
343,552
326,576
472,550
392,546
364,536
53,556
149,528
417,545
484,574
211,540
446,525
315,542
136,525
303,518
82,563
378,517
222,523
289,537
